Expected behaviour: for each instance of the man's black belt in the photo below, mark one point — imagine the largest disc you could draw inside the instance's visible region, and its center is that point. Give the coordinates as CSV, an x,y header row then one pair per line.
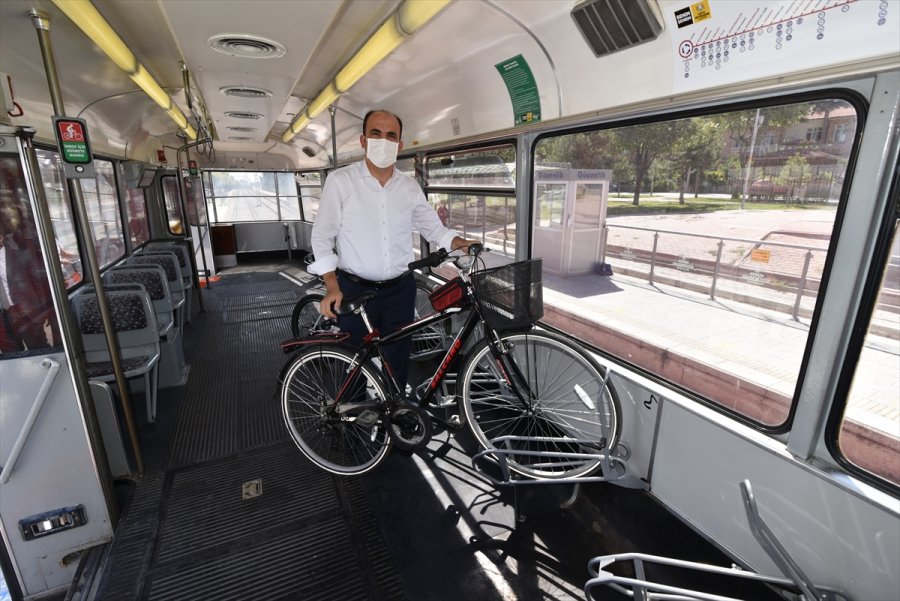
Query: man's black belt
x,y
364,282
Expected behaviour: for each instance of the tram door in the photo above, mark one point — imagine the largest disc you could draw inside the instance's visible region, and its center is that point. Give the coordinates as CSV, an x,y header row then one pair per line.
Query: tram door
x,y
570,218
53,500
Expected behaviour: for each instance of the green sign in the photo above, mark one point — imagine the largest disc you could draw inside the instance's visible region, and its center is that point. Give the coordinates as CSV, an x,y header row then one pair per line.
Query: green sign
x,y
74,147
522,90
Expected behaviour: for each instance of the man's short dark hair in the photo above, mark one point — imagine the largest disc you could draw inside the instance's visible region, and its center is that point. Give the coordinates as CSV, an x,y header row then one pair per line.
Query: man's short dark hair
x,y
373,111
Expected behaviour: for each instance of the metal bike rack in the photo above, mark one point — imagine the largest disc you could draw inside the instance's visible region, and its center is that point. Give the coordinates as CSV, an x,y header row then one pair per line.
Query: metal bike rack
x,y
613,467
641,589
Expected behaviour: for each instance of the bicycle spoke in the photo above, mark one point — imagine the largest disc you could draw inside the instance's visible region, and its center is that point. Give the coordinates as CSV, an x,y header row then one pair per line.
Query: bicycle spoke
x,y
568,409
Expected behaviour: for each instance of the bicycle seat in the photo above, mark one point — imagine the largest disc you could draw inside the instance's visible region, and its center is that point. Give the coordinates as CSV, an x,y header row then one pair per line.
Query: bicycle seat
x,y
354,303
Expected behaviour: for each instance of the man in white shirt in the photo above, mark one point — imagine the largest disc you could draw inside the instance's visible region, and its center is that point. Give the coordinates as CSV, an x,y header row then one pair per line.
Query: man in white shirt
x,y
362,236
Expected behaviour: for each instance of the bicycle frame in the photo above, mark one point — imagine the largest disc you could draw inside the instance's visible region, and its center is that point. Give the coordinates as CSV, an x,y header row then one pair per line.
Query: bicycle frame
x,y
373,343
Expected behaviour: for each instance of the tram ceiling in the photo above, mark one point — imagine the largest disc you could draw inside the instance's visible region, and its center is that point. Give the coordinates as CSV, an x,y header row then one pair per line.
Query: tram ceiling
x,y
256,66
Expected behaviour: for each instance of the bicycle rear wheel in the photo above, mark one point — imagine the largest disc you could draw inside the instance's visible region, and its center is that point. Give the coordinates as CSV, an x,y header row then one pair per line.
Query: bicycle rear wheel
x,y
570,410
336,441
306,317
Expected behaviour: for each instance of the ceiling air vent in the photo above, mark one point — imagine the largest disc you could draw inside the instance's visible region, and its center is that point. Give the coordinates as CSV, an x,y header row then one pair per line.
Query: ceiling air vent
x,y
245,92
612,25
243,115
308,151
241,128
239,138
246,46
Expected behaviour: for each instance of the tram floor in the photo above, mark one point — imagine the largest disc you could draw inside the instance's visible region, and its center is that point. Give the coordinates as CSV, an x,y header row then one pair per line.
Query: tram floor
x,y
228,508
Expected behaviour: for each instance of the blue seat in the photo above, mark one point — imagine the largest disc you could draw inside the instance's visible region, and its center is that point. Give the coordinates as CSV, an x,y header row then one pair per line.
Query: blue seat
x,y
134,321
181,250
153,279
170,264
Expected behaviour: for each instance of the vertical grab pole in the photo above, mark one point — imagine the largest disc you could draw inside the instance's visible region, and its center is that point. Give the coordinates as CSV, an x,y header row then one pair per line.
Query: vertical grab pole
x,y
182,190
41,22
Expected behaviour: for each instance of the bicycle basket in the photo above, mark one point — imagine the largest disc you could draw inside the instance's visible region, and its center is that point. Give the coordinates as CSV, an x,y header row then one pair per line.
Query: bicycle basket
x,y
451,294
510,297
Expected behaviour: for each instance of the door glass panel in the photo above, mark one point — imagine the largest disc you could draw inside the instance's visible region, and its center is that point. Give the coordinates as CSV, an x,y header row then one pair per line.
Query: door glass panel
x,y
28,320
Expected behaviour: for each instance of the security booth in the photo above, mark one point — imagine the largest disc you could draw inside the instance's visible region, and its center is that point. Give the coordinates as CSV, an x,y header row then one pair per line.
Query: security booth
x,y
570,219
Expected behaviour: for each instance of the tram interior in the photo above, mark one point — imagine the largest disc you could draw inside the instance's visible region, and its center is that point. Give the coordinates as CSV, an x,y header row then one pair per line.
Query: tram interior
x,y
712,188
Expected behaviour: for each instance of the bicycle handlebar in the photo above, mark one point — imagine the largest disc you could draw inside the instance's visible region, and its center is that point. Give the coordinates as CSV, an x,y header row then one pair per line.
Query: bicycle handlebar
x,y
440,255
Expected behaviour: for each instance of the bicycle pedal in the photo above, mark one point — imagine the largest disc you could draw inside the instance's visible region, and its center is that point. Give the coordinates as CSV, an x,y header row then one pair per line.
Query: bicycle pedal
x,y
367,418
447,401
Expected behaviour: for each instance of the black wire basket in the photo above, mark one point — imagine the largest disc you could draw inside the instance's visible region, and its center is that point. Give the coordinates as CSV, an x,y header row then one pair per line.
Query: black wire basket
x,y
510,297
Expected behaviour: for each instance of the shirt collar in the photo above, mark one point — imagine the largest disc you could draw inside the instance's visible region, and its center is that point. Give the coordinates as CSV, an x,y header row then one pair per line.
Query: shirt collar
x,y
364,171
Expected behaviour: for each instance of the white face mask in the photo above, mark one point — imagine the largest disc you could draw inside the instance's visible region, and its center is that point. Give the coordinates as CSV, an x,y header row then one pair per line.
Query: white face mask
x,y
382,152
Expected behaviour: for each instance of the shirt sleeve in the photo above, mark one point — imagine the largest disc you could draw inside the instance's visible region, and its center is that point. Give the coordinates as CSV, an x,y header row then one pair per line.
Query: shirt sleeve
x,y
428,224
325,229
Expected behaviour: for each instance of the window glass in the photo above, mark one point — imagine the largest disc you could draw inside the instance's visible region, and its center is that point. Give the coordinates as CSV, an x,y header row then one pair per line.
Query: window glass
x,y
136,211
870,431
310,186
251,196
27,317
172,198
716,229
289,203
481,169
101,203
61,215
473,193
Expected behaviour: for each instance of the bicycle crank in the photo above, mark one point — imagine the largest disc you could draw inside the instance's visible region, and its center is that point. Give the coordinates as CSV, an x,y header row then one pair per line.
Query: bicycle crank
x,y
410,427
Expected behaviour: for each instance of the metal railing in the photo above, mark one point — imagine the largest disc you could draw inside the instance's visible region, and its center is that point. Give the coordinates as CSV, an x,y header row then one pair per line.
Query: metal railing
x,y
657,259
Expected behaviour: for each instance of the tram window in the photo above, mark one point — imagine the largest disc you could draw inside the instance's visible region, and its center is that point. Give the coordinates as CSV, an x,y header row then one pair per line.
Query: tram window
x,y
60,215
288,202
473,193
27,318
172,197
102,205
870,430
251,196
310,187
704,224
136,211
101,202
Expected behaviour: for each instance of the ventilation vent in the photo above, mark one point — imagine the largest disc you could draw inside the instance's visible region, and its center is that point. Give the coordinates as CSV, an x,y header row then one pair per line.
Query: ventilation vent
x,y
244,92
247,129
239,138
612,25
243,115
308,151
246,46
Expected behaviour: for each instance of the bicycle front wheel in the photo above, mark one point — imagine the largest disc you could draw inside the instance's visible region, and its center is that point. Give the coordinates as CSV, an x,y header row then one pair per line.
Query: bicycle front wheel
x,y
336,441
306,316
561,425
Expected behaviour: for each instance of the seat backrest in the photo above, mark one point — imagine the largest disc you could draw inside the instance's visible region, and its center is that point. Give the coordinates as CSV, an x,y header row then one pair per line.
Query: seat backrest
x,y
133,320
180,251
153,278
169,263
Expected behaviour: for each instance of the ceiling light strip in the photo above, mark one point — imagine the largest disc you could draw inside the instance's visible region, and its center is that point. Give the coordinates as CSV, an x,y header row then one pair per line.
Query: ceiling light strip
x,y
86,17
405,21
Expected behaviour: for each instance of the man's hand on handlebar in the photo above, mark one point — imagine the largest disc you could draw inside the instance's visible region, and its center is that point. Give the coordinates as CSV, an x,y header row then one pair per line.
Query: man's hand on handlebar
x,y
463,244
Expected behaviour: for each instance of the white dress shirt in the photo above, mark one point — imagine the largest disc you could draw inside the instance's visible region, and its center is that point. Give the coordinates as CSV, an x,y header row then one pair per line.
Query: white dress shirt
x,y
370,226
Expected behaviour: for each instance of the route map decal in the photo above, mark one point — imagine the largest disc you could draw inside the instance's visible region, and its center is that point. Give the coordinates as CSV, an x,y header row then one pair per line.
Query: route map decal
x,y
740,40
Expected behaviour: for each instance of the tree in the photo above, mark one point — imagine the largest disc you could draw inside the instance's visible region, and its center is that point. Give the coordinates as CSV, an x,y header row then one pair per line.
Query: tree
x,y
641,144
695,149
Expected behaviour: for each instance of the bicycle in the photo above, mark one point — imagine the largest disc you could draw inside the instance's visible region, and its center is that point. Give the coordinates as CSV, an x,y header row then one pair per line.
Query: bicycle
x,y
546,399
306,319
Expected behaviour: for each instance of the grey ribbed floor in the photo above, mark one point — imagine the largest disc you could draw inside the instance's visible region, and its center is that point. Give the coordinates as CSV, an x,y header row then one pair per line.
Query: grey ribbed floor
x,y
424,527
187,533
